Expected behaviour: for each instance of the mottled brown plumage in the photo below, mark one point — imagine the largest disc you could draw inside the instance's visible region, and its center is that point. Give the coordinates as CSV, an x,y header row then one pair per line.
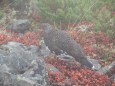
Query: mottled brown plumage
x,y
59,40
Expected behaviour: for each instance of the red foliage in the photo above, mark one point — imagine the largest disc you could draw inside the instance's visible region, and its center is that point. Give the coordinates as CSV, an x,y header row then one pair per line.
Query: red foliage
x,y
29,38
82,23
55,76
113,13
97,45
101,37
113,84
76,75
3,38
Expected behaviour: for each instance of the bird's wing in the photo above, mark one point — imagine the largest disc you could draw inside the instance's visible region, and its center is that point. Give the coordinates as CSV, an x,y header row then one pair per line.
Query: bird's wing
x,y
50,41
66,43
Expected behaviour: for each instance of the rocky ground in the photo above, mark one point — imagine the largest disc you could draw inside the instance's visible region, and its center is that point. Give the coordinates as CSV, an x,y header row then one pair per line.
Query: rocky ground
x,y
26,61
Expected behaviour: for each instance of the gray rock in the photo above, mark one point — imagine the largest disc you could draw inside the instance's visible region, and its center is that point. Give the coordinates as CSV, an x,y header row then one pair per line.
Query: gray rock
x,y
65,56
32,48
113,77
43,49
18,4
21,67
19,26
107,69
95,63
52,68
21,8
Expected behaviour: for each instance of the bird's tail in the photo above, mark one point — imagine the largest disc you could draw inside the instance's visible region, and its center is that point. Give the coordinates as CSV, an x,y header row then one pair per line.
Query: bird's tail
x,y
85,62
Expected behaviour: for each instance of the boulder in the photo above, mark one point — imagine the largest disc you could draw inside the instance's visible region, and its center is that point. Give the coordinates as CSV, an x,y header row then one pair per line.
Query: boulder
x,y
107,69
113,77
43,49
21,67
95,63
19,26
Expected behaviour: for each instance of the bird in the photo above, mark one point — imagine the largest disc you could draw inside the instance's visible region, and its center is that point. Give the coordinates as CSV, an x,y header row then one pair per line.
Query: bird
x,y
58,40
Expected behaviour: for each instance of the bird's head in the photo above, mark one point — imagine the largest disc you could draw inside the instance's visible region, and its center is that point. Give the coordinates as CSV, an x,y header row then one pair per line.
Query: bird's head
x,y
46,27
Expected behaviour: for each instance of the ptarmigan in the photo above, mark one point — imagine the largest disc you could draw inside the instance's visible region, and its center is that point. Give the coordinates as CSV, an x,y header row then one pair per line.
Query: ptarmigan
x,y
59,40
